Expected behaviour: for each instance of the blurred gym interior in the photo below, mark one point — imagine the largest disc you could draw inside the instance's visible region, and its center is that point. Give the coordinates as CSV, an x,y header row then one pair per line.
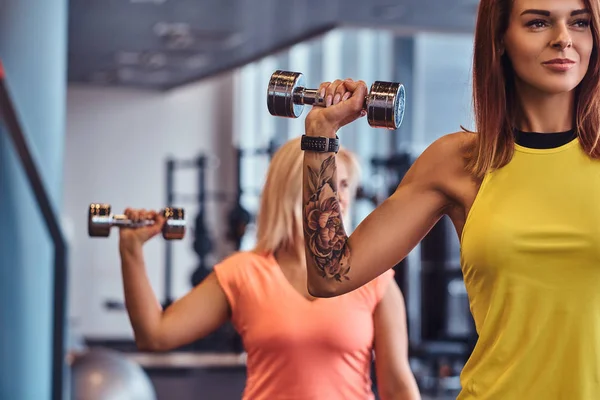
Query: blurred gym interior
x,y
148,103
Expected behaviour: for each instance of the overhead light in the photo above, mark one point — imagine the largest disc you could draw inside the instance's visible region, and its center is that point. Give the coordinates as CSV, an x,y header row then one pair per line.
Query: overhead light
x,y
235,40
145,77
148,1
197,61
147,59
180,42
171,28
153,60
177,35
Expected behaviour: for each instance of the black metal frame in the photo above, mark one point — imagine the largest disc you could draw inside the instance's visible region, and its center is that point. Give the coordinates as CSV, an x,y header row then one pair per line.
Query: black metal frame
x,y
172,166
9,116
200,163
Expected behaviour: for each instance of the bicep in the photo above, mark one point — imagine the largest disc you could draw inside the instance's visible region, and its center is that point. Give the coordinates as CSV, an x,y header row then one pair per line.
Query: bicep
x,y
387,235
195,315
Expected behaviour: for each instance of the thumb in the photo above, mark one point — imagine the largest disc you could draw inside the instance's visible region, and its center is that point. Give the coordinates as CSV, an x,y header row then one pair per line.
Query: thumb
x,y
356,87
356,102
159,223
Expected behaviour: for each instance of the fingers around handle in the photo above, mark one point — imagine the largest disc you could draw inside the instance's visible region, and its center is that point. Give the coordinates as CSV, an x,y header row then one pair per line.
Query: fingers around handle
x,y
323,89
159,221
332,92
344,103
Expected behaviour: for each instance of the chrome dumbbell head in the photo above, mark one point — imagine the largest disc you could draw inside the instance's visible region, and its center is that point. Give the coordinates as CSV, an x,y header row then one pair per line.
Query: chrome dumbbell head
x,y
174,227
287,96
385,104
280,94
100,220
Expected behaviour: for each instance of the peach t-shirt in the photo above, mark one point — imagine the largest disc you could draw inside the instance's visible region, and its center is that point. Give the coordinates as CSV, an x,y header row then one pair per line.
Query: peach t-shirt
x,y
296,348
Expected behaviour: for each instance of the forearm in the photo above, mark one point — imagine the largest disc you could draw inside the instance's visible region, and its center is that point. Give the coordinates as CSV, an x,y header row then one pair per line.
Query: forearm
x,y
143,308
405,393
326,241
402,387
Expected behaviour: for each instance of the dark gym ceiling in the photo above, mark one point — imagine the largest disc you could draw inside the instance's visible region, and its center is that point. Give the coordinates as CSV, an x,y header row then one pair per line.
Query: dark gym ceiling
x,y
161,44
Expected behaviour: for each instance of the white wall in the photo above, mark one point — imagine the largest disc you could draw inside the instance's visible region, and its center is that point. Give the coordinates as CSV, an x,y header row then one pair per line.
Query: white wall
x,y
116,145
441,101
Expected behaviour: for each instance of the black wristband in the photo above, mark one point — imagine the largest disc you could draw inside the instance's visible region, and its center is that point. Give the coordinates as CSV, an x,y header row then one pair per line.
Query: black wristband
x,y
320,144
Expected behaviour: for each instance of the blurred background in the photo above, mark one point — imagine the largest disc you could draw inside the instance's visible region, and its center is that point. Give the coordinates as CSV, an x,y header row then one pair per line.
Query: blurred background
x,y
144,103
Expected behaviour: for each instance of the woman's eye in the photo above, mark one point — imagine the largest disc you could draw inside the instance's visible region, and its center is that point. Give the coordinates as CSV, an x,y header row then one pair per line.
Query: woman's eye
x,y
582,23
537,23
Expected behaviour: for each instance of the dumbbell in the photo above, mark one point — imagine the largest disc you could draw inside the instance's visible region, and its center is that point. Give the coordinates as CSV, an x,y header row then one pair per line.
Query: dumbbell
x,y
287,96
100,220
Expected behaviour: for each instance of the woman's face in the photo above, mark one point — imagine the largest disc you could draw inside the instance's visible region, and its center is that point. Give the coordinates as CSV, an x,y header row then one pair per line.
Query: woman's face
x,y
343,186
549,43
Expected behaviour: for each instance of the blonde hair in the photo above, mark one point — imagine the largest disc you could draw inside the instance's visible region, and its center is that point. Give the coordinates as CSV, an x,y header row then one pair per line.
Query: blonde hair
x,y
279,219
354,171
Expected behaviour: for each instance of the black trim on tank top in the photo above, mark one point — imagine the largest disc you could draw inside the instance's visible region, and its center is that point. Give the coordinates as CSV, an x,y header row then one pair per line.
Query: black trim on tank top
x,y
536,140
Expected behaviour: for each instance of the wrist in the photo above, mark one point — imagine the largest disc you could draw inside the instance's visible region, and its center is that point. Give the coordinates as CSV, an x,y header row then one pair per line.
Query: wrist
x,y
320,144
131,251
320,128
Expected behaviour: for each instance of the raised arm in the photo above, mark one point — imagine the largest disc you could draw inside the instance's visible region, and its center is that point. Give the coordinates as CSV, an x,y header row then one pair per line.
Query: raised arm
x,y
191,317
337,263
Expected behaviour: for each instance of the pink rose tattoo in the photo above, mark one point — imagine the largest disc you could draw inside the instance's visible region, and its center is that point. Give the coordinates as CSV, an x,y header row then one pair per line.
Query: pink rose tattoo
x,y
323,224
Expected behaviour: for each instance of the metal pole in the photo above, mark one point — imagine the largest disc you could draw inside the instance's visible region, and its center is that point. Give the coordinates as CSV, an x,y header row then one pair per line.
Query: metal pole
x,y
13,127
168,245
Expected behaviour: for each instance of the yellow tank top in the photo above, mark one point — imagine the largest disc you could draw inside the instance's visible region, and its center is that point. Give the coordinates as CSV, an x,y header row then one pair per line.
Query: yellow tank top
x,y
530,255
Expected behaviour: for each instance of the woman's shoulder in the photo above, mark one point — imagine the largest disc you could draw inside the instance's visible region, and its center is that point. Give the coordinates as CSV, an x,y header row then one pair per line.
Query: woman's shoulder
x,y
451,148
443,168
246,257
445,159
245,261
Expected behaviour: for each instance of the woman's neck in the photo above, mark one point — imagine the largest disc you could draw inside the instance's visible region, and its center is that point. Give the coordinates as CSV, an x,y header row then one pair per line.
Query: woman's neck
x,y
291,258
545,113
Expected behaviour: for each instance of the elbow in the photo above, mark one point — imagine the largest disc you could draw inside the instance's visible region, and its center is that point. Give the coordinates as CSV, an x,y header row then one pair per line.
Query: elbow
x,y
149,345
146,346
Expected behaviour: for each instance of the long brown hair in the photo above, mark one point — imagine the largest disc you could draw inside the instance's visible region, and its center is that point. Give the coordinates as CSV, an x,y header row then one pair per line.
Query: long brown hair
x,y
495,104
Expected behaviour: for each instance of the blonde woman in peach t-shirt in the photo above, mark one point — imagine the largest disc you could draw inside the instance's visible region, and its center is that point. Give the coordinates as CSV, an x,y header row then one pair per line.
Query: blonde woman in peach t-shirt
x,y
298,347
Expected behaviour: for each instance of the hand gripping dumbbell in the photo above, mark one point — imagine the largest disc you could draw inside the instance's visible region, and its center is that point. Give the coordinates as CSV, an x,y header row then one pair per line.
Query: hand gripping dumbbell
x,y
287,96
100,220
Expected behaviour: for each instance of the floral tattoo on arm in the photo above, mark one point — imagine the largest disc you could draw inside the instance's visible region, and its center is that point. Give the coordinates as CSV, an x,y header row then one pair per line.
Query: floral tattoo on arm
x,y
323,226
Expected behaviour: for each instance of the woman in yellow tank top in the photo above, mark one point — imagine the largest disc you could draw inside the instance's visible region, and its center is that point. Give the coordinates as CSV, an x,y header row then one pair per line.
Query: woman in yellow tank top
x,y
523,193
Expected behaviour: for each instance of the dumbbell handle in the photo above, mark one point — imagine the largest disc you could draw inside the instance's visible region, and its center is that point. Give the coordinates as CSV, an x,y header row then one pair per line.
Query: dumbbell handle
x,y
308,96
313,98
123,221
